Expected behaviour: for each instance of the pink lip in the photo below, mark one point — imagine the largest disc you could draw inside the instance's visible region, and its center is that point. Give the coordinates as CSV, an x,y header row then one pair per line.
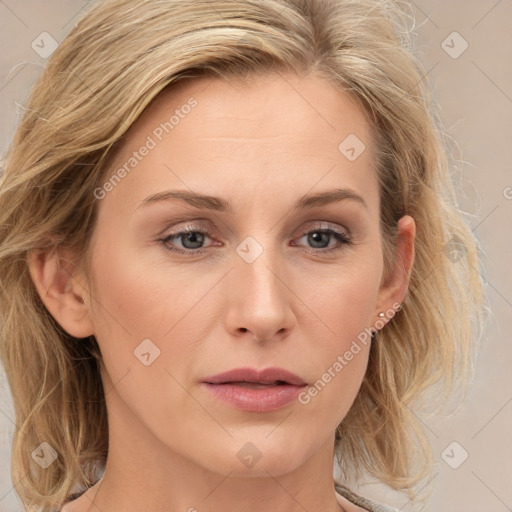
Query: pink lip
x,y
266,376
227,387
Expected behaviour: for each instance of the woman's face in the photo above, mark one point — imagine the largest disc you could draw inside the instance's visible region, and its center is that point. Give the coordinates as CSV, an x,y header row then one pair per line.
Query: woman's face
x,y
262,280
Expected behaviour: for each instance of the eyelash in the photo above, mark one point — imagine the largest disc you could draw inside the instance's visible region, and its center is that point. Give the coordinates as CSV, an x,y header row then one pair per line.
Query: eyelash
x,y
343,238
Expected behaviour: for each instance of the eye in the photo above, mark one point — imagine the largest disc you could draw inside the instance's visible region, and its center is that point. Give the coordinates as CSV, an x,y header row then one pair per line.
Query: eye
x,y
192,240
320,238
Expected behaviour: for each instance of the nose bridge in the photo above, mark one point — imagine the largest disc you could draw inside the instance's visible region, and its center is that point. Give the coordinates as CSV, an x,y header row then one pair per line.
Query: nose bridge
x,y
260,299
257,267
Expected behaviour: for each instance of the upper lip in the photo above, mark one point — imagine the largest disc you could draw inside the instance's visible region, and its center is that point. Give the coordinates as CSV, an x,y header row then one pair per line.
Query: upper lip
x,y
265,376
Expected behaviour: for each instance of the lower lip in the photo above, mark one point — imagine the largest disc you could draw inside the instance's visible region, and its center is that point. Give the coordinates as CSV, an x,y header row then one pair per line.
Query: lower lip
x,y
256,399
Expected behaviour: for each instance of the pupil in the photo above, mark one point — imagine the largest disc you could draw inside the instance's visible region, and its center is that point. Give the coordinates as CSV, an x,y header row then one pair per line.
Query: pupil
x,y
316,235
191,237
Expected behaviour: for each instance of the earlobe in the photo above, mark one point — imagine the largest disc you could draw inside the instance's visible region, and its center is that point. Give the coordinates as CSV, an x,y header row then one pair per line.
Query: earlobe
x,y
394,289
61,292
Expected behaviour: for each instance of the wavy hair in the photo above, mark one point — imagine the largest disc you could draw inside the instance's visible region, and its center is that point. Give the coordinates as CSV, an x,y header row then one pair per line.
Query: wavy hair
x,y
115,61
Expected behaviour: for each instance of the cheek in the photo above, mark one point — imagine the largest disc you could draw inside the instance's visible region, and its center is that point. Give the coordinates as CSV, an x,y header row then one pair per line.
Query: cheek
x,y
137,300
344,301
136,296
140,324
344,298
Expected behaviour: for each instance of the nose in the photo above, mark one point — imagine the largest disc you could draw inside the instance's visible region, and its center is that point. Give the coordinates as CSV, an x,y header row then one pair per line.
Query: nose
x,y
260,304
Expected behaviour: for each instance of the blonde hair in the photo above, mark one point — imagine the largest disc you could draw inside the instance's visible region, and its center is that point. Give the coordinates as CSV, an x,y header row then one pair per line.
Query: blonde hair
x,y
117,59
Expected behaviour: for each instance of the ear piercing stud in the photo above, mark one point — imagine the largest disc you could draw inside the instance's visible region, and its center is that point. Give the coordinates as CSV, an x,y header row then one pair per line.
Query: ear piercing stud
x,y
381,314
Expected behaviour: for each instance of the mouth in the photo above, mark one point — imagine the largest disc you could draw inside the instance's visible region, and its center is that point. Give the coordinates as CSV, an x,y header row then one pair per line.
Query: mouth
x,y
252,377
253,390
256,385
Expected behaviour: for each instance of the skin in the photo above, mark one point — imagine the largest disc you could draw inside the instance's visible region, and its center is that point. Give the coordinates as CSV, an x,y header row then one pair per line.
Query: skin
x,y
261,146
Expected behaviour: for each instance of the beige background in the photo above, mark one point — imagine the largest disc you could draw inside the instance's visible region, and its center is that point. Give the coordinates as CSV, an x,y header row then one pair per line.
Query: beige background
x,y
475,91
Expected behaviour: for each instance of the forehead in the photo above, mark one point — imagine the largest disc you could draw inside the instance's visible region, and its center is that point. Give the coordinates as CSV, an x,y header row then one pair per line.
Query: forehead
x,y
273,134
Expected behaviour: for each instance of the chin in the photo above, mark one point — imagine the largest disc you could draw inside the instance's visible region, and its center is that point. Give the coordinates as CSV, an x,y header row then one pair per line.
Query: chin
x,y
259,457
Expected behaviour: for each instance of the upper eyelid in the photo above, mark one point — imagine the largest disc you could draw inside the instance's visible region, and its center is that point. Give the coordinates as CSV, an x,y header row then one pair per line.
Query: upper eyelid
x,y
206,225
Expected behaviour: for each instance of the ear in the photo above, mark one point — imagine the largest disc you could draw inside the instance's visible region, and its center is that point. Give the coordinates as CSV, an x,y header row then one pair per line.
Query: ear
x,y
394,288
61,291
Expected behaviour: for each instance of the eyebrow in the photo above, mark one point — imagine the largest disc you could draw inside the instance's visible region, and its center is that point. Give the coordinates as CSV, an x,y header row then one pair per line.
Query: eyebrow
x,y
221,205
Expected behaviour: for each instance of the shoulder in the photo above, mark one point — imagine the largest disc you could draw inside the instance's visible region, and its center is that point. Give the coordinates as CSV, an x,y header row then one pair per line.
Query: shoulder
x,y
72,504
69,506
360,501
81,500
